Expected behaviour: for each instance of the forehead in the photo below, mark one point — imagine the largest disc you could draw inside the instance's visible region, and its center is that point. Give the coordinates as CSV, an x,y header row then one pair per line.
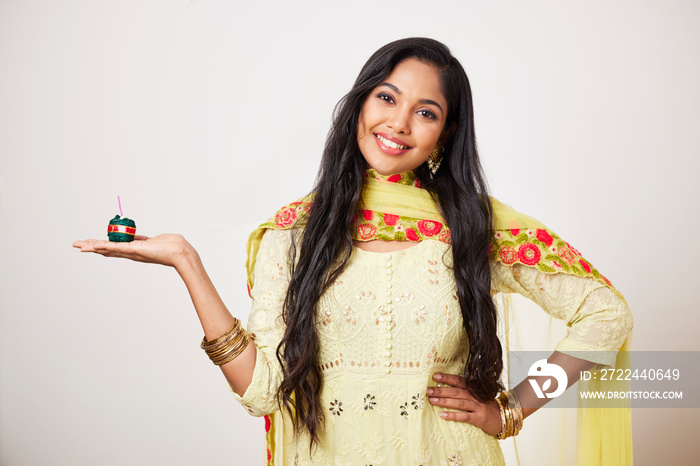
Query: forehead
x,y
417,79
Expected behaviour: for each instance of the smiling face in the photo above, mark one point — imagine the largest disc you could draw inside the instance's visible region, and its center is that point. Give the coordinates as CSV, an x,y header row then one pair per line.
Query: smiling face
x,y
402,119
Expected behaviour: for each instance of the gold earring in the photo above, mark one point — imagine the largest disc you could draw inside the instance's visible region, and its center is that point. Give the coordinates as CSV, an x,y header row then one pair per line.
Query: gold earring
x,y
435,159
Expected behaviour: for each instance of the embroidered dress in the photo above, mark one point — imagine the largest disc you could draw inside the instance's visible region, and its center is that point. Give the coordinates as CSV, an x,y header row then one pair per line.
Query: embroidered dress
x,y
391,320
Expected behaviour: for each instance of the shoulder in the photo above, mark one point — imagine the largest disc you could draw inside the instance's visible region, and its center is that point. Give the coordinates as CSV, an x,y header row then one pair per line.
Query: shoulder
x,y
505,217
290,215
521,239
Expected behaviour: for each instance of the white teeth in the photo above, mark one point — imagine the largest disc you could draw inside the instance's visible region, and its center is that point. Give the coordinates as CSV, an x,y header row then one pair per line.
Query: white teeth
x,y
391,144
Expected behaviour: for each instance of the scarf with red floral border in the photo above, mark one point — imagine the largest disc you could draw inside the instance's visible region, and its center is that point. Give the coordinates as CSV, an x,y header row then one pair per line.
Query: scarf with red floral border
x,y
396,208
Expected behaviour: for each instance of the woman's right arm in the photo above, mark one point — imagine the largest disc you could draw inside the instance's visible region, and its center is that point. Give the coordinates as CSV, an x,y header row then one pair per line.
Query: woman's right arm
x,y
175,251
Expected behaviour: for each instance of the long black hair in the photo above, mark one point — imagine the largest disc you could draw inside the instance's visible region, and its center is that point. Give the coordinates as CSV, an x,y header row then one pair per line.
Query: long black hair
x,y
325,244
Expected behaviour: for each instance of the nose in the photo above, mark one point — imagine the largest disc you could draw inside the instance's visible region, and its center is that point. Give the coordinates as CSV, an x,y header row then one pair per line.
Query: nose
x,y
399,121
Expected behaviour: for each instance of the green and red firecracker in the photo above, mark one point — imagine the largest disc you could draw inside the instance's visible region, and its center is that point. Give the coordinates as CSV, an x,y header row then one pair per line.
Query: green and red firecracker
x,y
121,229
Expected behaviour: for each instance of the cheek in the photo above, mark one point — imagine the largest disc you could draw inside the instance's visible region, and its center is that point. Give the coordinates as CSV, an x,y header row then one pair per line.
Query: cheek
x,y
360,127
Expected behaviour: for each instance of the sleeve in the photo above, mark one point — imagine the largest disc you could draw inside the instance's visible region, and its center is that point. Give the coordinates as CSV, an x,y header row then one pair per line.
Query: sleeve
x,y
265,323
598,320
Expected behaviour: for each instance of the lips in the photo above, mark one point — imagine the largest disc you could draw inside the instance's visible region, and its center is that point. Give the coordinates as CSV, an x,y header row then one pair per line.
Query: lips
x,y
389,145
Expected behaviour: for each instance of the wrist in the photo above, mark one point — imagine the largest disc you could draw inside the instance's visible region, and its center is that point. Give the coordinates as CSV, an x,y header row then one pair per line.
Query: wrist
x,y
187,259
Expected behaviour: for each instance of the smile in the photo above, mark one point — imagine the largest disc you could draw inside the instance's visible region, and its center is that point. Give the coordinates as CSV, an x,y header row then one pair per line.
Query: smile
x,y
391,144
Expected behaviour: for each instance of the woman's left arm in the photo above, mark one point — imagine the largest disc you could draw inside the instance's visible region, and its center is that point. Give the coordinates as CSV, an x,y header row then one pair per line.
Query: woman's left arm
x,y
598,321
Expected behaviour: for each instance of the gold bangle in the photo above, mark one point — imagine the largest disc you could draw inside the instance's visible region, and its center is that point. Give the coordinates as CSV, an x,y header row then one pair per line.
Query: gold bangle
x,y
511,414
228,346
226,350
517,411
234,353
504,422
230,342
211,345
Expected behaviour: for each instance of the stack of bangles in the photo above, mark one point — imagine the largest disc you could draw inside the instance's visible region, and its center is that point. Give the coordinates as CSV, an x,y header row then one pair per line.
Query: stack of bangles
x,y
228,346
511,414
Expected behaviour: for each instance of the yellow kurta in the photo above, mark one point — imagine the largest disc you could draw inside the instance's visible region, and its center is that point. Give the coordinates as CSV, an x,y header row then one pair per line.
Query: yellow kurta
x,y
390,322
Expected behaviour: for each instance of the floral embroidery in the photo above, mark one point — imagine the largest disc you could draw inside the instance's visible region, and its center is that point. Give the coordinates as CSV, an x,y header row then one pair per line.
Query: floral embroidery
x,y
365,297
545,237
408,178
567,254
508,255
543,250
404,410
404,298
445,236
428,227
411,235
391,219
455,460
350,315
529,254
534,247
366,231
418,401
369,402
585,265
420,314
336,407
326,316
285,217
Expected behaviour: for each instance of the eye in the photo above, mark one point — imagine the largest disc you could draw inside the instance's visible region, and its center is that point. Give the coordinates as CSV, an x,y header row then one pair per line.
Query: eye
x,y
427,113
385,97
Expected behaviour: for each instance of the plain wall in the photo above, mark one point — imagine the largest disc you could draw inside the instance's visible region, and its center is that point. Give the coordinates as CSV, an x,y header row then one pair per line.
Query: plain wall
x,y
206,116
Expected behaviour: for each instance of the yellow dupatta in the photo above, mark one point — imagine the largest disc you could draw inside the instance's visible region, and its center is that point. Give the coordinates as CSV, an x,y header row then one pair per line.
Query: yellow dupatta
x,y
395,208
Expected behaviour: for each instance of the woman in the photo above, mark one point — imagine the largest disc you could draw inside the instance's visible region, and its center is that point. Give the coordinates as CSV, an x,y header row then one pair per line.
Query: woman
x,y
373,321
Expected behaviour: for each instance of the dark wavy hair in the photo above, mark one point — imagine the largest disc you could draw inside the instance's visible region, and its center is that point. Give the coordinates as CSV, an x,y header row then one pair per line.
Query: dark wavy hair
x,y
325,245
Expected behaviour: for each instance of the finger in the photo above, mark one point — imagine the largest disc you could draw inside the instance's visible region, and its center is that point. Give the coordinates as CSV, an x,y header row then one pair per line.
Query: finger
x,y
82,242
456,403
459,416
140,238
449,392
450,379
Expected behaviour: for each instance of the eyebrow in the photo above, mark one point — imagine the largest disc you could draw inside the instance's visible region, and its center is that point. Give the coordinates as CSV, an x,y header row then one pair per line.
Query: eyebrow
x,y
422,101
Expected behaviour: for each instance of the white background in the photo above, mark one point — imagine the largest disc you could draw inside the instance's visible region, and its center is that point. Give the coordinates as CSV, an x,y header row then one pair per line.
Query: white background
x,y
206,116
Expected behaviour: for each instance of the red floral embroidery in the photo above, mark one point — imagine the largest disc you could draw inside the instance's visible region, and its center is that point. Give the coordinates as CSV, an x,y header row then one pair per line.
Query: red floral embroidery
x,y
391,219
269,455
417,183
445,236
529,254
411,235
515,231
367,214
566,254
545,237
366,231
394,178
585,265
429,227
267,423
508,255
607,282
285,217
